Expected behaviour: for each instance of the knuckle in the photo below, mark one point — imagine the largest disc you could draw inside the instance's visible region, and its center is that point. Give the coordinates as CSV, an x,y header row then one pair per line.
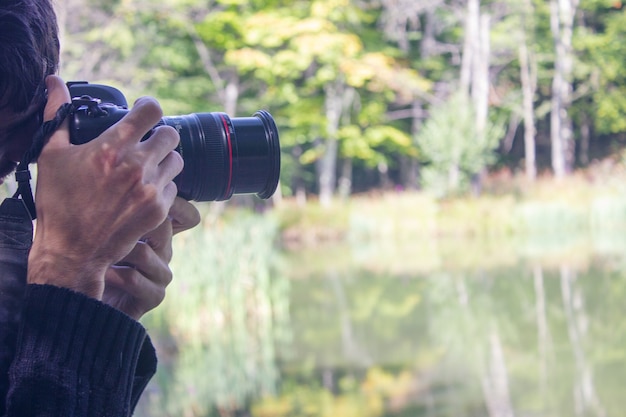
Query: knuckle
x,y
134,280
167,135
150,105
168,276
159,295
142,253
178,161
168,253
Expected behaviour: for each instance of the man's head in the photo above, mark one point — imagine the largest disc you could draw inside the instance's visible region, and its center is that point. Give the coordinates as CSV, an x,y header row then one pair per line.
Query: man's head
x,y
29,51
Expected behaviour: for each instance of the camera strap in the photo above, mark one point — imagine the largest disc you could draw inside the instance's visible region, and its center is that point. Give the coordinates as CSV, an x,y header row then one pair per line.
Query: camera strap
x,y
22,172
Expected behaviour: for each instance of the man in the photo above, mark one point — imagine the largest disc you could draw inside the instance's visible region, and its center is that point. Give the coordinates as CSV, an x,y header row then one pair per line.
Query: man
x,y
106,212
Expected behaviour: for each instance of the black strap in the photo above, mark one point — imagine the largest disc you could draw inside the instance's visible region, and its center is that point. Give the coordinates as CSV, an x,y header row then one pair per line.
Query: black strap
x,y
22,173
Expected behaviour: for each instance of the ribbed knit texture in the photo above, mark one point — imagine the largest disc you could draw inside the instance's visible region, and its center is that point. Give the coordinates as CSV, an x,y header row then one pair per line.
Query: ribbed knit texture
x,y
75,357
16,233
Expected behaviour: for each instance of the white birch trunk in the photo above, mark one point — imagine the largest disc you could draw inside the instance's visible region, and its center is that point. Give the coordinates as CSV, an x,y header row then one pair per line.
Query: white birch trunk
x,y
586,399
528,94
561,24
480,74
470,45
328,163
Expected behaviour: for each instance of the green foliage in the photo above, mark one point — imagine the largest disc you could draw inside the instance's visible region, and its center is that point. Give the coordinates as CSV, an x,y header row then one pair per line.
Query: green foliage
x,y
609,75
452,147
282,56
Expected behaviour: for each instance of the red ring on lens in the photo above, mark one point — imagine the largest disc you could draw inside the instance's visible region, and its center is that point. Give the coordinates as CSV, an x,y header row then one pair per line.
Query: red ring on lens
x,y
228,129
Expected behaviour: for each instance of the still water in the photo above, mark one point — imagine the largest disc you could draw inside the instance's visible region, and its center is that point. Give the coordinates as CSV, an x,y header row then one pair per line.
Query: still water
x,y
533,327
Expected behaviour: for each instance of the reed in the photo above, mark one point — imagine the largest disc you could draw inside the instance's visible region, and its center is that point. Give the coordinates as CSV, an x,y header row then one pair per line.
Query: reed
x,y
225,315
566,208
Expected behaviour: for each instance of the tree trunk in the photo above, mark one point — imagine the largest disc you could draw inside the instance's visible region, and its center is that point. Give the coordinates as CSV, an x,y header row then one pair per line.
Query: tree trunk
x,y
345,181
480,74
543,335
409,172
561,134
328,163
495,380
383,171
470,43
586,399
475,73
529,85
297,180
585,139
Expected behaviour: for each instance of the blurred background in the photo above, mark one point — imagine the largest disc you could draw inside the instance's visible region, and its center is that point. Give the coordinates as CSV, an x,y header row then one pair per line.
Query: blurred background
x,y
448,236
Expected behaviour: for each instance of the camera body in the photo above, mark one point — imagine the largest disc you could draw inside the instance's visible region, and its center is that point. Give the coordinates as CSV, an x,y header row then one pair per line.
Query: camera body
x,y
222,155
97,107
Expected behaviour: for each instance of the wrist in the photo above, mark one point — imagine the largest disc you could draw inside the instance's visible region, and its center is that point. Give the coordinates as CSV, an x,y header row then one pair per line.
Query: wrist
x,y
61,269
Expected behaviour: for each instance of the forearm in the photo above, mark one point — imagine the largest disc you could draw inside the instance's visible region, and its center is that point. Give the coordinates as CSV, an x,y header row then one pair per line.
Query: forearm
x,y
76,356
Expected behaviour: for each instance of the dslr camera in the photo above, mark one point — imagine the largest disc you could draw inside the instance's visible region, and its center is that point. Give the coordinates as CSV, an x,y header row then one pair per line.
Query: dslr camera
x,y
223,155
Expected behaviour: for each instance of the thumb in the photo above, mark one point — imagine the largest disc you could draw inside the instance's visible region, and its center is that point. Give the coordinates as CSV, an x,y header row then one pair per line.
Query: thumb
x,y
58,94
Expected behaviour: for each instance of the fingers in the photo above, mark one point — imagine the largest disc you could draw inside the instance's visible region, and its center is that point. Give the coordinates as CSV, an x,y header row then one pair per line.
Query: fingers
x,y
160,240
144,115
130,291
162,137
149,264
183,215
169,167
137,284
58,94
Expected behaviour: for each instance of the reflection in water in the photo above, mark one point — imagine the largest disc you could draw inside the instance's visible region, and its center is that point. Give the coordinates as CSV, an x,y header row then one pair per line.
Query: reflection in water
x,y
217,331
586,399
372,331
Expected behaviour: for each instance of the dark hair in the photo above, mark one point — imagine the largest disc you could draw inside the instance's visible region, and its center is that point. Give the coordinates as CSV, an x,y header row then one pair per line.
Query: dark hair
x,y
29,50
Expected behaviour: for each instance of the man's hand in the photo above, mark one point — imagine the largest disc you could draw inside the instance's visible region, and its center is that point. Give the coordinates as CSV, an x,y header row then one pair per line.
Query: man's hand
x,y
136,284
96,200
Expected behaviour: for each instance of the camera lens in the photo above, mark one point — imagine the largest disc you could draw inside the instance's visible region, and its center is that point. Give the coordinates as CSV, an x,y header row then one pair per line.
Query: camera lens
x,y
225,156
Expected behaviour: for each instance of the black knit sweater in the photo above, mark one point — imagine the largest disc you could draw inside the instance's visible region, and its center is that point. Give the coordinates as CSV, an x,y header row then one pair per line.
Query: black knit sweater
x,y
76,356
62,354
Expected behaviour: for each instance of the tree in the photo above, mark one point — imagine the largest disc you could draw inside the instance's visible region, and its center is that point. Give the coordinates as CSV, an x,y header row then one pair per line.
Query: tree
x,y
528,78
562,14
602,52
453,148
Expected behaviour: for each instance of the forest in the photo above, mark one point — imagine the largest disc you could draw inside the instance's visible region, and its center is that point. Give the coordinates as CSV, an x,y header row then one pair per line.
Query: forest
x,y
377,94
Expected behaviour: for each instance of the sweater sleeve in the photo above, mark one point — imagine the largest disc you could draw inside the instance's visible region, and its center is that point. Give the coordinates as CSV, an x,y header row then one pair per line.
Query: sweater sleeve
x,y
76,356
16,232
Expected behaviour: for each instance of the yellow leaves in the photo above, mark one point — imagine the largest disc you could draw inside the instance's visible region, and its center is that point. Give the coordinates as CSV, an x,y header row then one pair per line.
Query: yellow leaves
x,y
380,72
272,30
395,388
325,8
367,144
354,143
378,392
248,59
268,29
369,64
311,155
309,37
313,25
328,46
272,407
385,133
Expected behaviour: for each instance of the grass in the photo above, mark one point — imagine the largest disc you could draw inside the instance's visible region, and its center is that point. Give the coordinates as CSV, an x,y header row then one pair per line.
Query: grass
x,y
578,205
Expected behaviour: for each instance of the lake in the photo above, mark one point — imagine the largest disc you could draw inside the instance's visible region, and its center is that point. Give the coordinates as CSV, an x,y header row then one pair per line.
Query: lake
x,y
393,327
